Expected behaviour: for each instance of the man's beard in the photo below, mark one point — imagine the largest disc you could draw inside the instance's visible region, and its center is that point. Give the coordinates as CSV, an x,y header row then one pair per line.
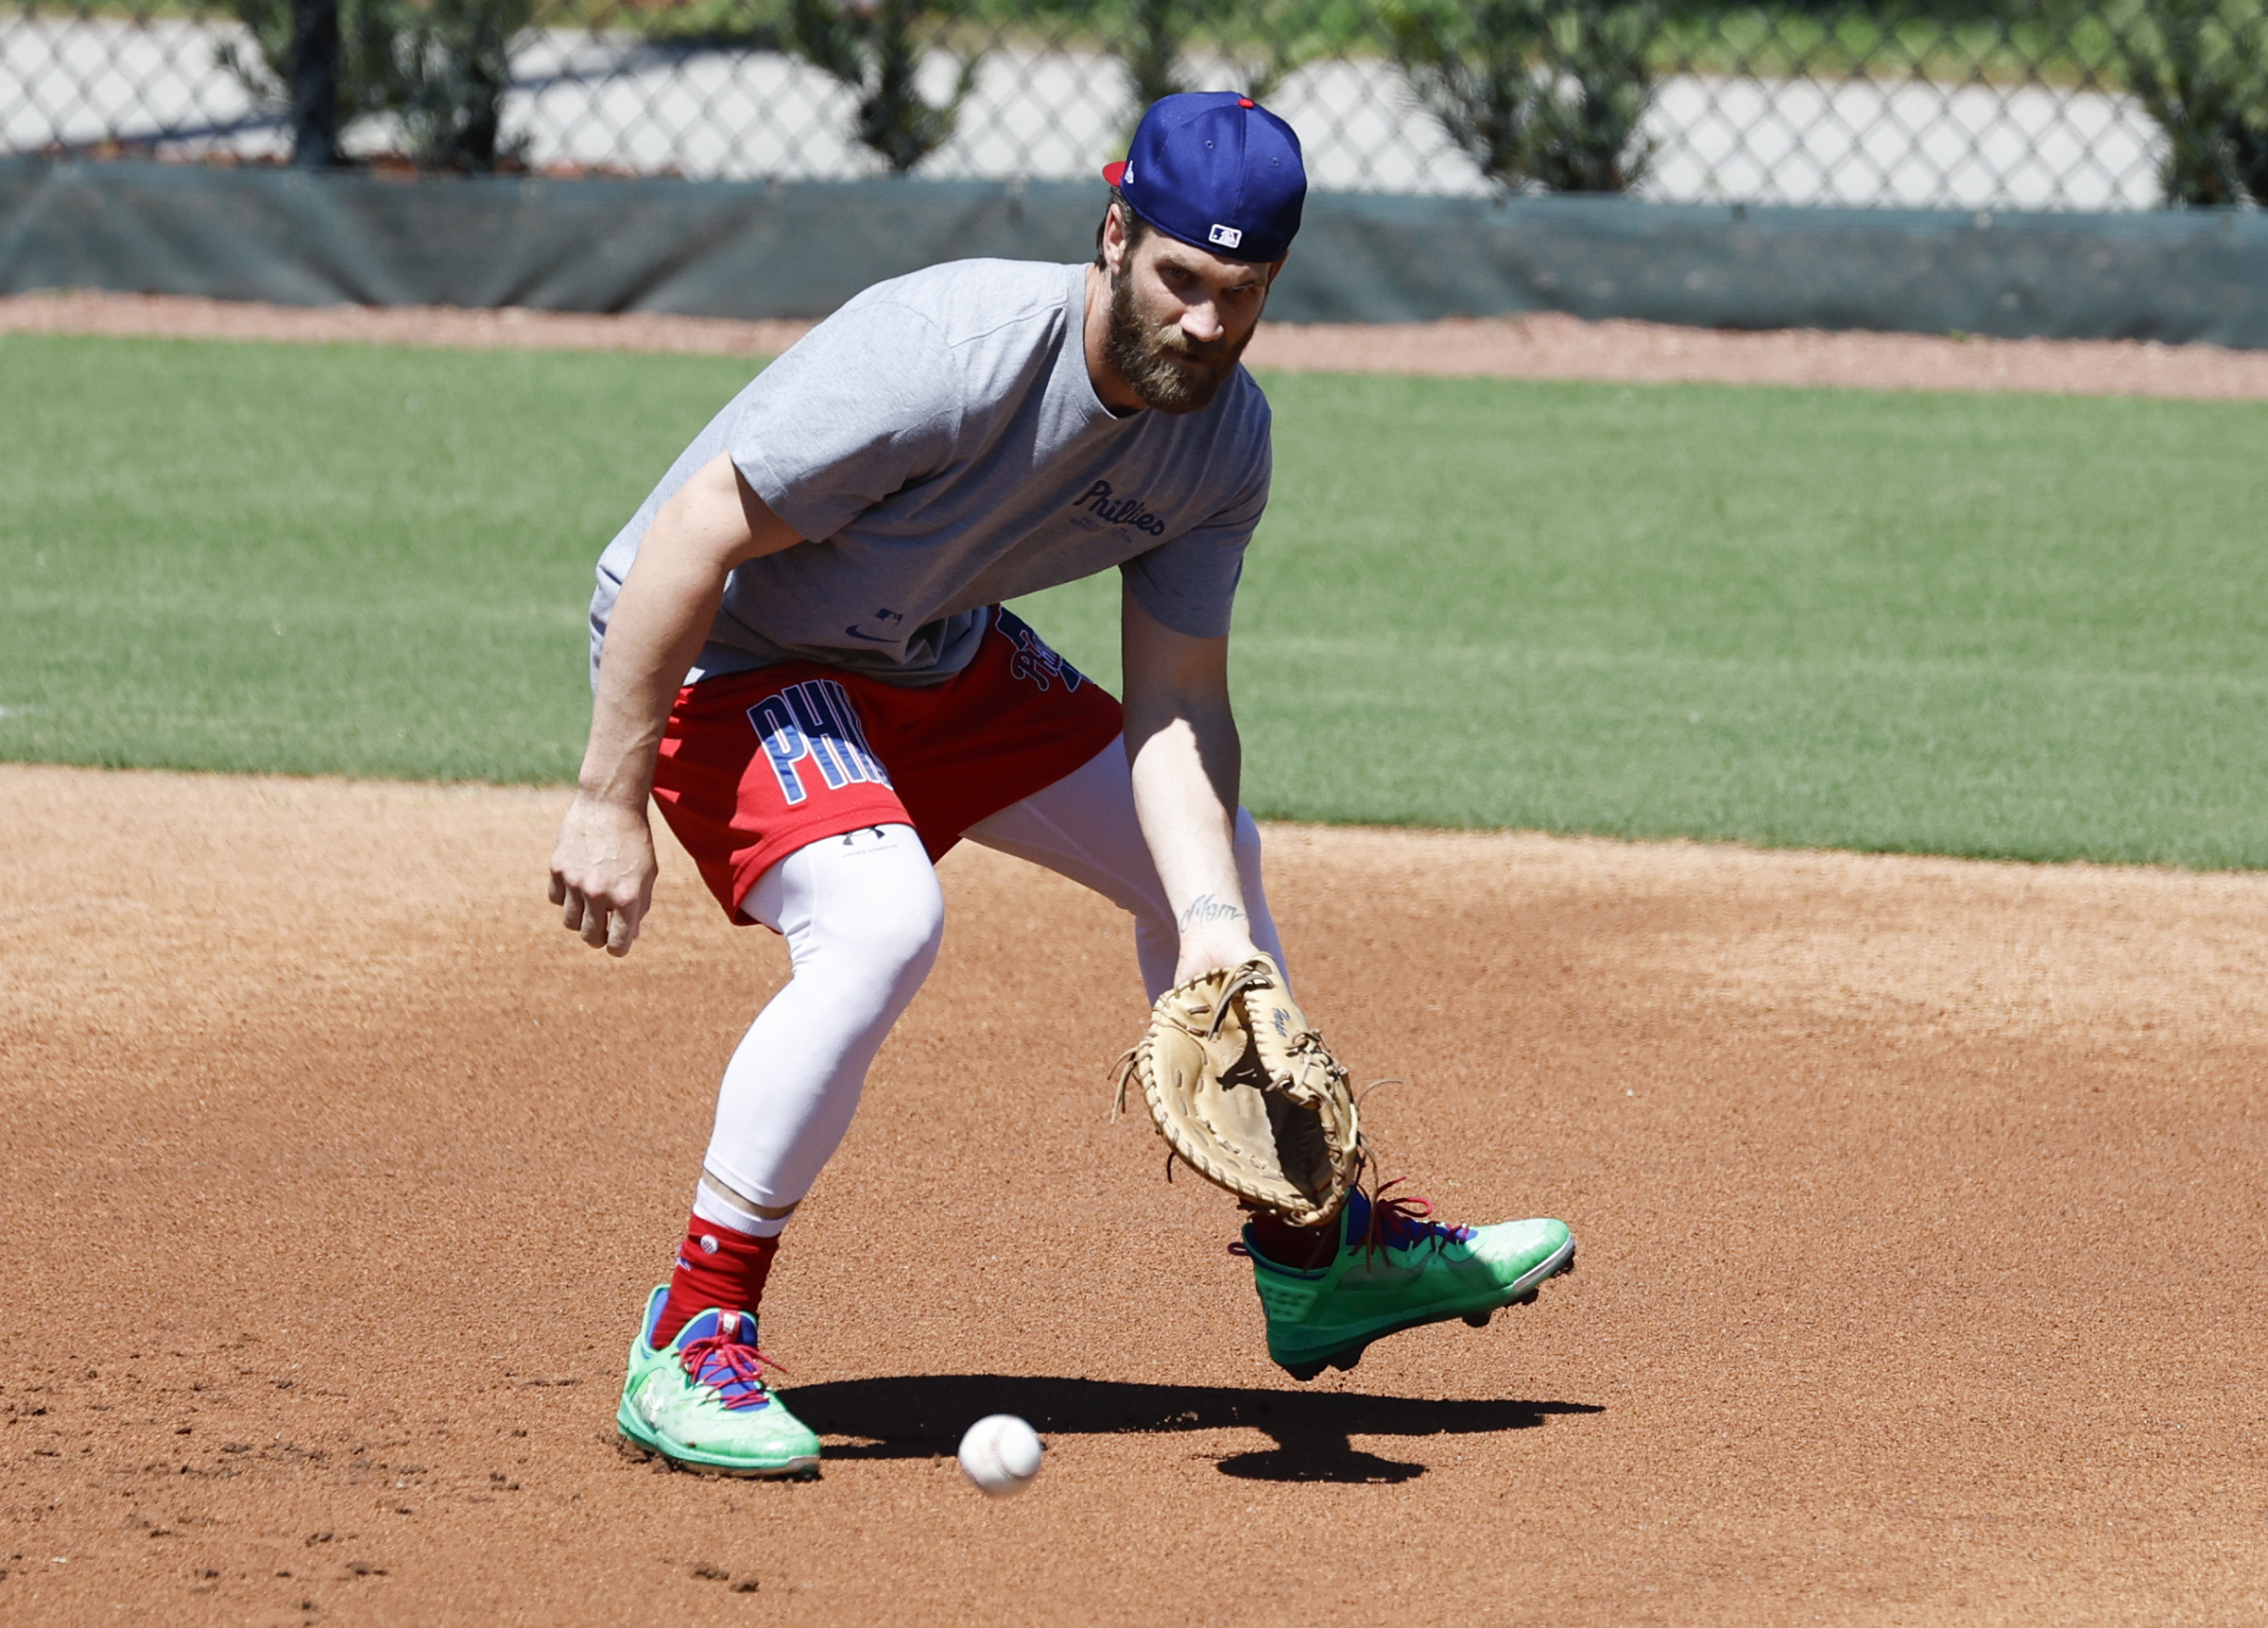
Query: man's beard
x,y
1145,356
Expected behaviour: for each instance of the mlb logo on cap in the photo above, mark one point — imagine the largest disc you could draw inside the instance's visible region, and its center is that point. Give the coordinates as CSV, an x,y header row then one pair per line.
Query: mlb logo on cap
x,y
1216,170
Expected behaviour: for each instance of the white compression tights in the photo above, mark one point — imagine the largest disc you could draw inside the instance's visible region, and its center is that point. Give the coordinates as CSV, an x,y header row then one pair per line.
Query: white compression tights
x,y
863,918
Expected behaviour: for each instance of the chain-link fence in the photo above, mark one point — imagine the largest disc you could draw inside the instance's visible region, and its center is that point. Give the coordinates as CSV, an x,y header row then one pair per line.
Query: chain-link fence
x,y
1991,104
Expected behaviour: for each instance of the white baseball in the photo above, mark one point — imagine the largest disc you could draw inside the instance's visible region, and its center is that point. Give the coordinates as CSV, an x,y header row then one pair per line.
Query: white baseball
x,y
1000,1454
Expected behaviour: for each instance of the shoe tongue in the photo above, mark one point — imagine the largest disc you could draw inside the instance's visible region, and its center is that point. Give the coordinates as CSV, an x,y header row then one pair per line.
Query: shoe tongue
x,y
1358,1216
739,1328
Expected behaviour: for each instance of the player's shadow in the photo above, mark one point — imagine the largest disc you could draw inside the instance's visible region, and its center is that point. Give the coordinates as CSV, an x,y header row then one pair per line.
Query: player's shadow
x,y
923,1415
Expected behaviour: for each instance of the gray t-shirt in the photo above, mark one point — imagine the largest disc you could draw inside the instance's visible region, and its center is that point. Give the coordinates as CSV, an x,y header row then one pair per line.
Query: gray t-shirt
x,y
940,443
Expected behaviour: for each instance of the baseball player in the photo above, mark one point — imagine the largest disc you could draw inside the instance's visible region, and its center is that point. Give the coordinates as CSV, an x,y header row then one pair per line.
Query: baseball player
x,y
798,652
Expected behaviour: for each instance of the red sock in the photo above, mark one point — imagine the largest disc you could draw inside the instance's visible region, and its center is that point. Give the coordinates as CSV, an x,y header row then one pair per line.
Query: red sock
x,y
1303,1248
716,1266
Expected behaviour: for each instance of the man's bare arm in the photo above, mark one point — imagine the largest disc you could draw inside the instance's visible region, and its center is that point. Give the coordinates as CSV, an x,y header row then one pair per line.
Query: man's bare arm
x,y
1187,764
602,871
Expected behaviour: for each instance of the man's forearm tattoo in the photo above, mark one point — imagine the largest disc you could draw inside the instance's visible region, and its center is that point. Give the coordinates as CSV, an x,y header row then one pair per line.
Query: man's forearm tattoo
x,y
1205,908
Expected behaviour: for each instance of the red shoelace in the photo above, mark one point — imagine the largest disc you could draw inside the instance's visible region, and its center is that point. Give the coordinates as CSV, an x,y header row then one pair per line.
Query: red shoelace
x,y
734,1369
1397,1221
1404,1221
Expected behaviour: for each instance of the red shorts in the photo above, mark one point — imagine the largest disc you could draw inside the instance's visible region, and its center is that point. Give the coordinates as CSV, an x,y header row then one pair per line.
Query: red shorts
x,y
755,765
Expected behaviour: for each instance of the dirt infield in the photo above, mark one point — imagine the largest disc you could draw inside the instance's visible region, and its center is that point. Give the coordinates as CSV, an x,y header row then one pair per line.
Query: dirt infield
x,y
1545,346
1921,1205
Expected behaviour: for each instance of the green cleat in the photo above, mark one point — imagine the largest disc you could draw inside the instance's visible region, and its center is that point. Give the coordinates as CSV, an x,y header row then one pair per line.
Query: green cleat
x,y
1412,1272
700,1402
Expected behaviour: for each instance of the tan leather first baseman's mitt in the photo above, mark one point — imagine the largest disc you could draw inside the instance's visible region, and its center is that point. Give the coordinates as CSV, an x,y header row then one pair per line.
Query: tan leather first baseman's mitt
x,y
1247,1095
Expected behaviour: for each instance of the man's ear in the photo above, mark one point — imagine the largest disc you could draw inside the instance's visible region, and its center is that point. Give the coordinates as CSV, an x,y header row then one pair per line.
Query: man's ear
x,y
1114,238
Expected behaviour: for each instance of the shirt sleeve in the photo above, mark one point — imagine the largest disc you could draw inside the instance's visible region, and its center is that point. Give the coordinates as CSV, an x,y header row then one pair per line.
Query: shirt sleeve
x,y
862,406
1189,582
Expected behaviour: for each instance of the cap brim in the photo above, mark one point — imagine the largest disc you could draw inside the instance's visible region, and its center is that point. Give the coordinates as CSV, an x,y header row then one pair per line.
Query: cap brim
x,y
1114,171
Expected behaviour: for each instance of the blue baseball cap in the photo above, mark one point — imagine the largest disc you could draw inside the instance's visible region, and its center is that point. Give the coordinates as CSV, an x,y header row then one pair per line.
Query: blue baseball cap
x,y
1218,171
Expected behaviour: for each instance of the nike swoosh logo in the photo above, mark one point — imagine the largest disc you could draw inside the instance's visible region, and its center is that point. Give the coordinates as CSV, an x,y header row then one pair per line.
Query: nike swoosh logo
x,y
869,637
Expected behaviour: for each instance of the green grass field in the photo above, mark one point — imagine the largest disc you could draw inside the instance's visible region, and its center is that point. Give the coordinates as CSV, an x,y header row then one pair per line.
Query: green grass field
x,y
2009,626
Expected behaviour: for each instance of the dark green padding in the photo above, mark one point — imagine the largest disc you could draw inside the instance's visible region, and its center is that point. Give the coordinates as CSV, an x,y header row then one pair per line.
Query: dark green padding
x,y
726,248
